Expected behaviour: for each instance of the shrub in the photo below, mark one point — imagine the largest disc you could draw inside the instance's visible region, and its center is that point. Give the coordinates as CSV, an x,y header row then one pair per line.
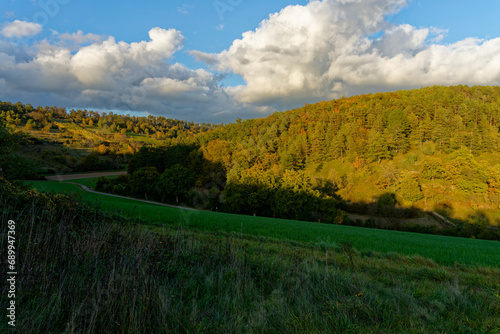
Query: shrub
x,y
429,148
432,168
409,189
387,199
412,158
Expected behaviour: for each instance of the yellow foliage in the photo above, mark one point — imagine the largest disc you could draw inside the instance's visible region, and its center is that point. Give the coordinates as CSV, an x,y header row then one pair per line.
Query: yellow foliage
x,y
102,149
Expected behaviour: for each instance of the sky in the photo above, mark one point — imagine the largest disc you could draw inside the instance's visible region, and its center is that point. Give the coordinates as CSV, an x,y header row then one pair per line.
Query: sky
x,y
219,60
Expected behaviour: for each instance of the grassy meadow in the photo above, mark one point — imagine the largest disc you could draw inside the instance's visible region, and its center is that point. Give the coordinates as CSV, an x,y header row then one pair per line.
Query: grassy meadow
x,y
82,269
441,249
90,182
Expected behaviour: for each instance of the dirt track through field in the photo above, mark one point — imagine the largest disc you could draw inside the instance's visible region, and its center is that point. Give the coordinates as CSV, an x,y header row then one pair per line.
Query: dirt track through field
x,y
66,177
85,188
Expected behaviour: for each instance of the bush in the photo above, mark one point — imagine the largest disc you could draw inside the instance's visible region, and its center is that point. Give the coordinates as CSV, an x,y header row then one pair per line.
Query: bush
x,y
371,223
409,189
102,184
429,148
432,168
94,162
387,199
61,159
15,167
412,158
119,186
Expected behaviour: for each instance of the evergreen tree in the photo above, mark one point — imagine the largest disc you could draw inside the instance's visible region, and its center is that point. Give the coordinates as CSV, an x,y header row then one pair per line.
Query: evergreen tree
x,y
397,131
377,147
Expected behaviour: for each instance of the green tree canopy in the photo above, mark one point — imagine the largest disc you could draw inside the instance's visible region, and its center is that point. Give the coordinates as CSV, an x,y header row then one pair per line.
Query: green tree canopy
x,y
175,181
409,189
144,180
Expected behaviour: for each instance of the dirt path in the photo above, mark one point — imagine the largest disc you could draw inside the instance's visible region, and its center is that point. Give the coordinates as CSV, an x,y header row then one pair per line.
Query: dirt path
x,y
134,199
66,177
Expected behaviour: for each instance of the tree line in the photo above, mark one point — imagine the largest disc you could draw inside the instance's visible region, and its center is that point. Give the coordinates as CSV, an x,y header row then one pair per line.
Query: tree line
x,y
39,118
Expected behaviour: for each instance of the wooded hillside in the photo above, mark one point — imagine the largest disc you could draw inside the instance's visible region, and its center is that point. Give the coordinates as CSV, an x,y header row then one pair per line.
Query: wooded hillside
x,y
434,148
370,128
393,154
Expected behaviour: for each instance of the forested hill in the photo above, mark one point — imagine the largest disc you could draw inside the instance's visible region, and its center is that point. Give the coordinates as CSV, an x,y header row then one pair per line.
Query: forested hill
x,y
57,140
432,149
27,117
368,128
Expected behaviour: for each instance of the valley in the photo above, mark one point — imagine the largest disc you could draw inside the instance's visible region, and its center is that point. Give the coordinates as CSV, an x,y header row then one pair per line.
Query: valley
x,y
356,215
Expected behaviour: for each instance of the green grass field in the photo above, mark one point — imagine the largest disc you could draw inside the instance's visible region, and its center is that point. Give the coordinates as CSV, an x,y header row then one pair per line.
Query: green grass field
x,y
90,182
443,250
182,273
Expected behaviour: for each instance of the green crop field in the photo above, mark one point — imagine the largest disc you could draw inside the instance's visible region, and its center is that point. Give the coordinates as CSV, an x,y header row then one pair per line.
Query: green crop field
x,y
443,250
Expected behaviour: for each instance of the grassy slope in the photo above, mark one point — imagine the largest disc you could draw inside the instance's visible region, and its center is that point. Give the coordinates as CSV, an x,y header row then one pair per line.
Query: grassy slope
x,y
443,250
80,273
91,182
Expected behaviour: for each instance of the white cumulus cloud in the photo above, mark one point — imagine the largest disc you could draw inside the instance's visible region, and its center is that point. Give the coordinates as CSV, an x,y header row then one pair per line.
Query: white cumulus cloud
x,y
288,57
109,74
21,29
302,54
79,38
324,50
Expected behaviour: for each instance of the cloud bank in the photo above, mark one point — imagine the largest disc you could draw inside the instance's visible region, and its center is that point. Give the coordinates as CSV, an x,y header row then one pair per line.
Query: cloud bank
x,y
111,75
319,51
324,50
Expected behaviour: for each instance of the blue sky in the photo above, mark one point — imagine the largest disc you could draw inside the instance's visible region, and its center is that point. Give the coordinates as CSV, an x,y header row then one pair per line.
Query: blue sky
x,y
210,26
462,18
218,60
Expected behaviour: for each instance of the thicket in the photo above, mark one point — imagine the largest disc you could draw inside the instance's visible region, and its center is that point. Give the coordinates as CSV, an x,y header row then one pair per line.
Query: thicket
x,y
170,173
166,173
281,194
12,165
